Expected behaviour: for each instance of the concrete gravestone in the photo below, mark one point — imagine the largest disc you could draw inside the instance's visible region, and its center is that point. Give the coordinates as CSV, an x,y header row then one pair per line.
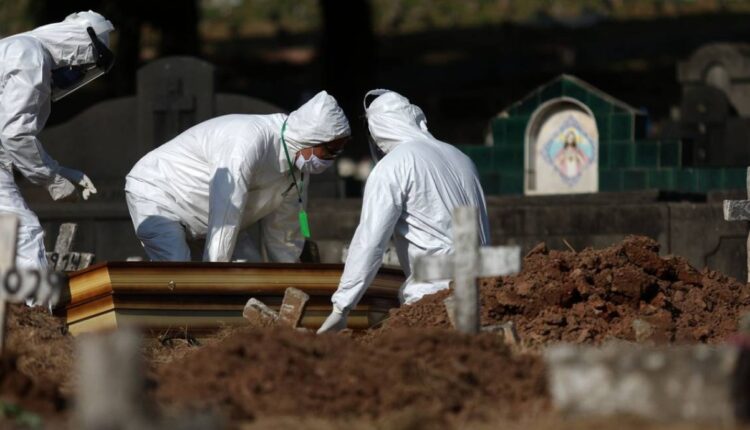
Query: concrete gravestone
x,y
562,149
173,95
696,383
739,210
715,107
723,66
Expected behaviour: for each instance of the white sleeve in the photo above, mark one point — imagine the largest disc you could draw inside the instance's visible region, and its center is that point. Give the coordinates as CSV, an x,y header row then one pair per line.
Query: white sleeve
x,y
281,232
381,210
22,99
227,197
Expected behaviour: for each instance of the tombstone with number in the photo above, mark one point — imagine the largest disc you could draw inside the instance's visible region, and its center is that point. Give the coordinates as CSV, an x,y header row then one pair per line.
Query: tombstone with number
x,y
63,258
41,287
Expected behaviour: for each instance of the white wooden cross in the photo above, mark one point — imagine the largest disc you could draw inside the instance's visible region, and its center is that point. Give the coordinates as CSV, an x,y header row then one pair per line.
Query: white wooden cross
x,y
467,263
62,258
18,286
739,210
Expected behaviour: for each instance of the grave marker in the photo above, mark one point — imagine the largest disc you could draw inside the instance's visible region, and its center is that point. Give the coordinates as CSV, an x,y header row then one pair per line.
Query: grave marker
x,y
111,382
694,383
258,314
739,210
293,307
62,258
8,233
111,390
290,312
562,149
17,286
465,265
715,105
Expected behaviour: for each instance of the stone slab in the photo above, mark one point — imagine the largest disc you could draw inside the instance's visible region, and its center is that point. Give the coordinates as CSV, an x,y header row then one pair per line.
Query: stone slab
x,y
292,307
737,210
258,314
691,383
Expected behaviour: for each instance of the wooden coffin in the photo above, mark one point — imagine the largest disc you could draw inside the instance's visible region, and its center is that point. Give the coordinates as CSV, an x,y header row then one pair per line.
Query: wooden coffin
x,y
200,297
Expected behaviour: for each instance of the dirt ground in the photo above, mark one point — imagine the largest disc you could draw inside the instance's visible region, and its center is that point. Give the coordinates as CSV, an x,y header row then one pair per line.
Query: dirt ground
x,y
279,372
413,371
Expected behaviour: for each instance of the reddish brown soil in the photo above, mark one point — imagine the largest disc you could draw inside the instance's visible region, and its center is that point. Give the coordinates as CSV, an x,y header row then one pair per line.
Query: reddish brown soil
x,y
594,295
412,372
276,372
35,368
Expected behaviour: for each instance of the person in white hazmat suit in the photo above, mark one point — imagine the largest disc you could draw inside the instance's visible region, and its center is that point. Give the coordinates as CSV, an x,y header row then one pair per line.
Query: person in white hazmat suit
x,y
220,177
410,195
36,68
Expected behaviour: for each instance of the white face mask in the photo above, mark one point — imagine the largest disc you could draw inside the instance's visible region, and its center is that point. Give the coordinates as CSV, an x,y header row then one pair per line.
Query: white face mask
x,y
312,166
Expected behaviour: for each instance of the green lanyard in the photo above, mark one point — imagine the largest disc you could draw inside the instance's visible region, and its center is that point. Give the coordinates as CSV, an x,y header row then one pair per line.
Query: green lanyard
x,y
304,225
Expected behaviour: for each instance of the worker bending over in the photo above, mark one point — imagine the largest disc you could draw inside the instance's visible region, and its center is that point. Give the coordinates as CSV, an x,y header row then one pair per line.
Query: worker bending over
x,y
410,195
222,176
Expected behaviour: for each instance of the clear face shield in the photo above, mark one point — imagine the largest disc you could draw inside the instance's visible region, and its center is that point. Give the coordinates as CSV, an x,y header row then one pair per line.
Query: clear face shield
x,y
69,79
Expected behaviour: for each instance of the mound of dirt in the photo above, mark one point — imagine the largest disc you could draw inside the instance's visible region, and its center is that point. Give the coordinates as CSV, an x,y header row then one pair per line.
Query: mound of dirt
x,y
274,372
626,291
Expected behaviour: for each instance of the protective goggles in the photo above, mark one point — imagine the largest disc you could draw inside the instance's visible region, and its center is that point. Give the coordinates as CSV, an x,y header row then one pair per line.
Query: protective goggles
x,y
70,79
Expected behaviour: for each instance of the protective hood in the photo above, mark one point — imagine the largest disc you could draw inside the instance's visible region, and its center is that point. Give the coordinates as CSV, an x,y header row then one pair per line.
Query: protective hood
x,y
392,119
320,120
68,42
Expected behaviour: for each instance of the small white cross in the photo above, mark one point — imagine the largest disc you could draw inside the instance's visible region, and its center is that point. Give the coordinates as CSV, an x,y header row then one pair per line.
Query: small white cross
x,y
62,258
467,263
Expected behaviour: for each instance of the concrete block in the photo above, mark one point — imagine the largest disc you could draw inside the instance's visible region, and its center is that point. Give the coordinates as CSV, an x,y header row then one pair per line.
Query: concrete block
x,y
698,383
507,330
258,314
292,307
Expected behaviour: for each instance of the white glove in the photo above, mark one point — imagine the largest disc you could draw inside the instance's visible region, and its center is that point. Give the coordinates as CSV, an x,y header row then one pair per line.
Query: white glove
x,y
335,322
80,179
60,188
88,187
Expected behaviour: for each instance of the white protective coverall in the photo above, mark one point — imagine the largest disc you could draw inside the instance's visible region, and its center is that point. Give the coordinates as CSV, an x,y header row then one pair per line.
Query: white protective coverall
x,y
410,194
222,176
26,64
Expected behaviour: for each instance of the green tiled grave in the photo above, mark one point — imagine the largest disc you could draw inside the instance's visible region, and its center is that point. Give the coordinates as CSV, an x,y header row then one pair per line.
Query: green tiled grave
x,y
626,162
646,154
